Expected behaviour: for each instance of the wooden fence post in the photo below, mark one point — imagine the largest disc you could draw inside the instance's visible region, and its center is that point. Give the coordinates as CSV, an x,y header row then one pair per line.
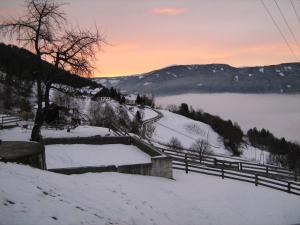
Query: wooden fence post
x,y
295,175
241,166
215,161
289,187
267,171
256,179
186,163
222,173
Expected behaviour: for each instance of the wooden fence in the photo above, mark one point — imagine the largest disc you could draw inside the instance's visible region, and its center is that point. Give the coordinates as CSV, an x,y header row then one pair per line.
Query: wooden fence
x,y
246,167
8,121
248,172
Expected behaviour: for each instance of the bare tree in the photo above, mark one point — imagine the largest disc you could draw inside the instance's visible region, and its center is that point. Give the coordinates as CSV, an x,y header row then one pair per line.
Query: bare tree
x,y
201,147
41,29
174,143
74,51
36,31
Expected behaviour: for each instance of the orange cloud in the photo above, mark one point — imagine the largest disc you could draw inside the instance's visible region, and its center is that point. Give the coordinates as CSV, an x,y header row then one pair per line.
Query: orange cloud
x,y
168,11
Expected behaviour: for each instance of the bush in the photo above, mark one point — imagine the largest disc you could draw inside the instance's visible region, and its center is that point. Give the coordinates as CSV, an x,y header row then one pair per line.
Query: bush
x,y
174,143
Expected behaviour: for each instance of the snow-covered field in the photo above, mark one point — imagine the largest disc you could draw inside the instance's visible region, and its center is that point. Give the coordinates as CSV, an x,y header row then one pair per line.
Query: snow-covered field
x,y
187,131
19,134
63,156
30,196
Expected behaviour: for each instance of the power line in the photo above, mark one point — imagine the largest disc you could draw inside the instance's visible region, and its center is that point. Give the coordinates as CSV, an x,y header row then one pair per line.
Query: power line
x,y
287,24
278,28
294,7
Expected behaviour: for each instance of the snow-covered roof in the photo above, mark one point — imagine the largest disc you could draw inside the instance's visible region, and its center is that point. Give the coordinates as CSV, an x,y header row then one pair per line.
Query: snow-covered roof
x,y
131,97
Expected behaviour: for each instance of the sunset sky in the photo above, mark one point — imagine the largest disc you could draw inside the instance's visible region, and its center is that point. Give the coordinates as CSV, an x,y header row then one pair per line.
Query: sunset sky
x,y
149,34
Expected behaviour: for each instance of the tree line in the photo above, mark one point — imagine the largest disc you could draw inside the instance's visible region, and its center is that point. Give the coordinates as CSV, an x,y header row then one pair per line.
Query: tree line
x,y
282,152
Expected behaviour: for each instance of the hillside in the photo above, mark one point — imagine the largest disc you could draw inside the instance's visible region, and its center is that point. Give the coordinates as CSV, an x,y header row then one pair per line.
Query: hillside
x,y
18,64
29,196
211,78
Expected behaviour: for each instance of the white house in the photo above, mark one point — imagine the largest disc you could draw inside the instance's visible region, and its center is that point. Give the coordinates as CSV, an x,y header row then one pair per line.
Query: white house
x,y
130,99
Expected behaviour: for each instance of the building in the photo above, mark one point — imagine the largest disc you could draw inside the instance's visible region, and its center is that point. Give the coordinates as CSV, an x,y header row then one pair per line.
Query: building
x,y
130,99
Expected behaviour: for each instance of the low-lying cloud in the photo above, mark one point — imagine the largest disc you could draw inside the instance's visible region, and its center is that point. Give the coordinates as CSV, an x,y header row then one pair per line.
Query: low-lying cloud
x,y
169,11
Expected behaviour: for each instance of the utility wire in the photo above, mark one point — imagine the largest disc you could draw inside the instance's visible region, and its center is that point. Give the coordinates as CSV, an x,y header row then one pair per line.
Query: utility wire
x,y
278,28
287,24
294,7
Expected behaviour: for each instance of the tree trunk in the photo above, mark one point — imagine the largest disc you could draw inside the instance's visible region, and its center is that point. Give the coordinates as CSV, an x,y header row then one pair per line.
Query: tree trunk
x,y
39,117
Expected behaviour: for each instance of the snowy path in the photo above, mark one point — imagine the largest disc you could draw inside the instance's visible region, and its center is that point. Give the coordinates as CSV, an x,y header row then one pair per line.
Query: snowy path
x,y
30,196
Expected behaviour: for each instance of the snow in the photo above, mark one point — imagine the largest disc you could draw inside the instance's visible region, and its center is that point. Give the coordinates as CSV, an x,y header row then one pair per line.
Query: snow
x,y
19,134
187,131
281,74
114,82
147,83
262,70
288,86
31,196
64,156
255,154
250,75
199,84
236,78
147,113
101,81
141,77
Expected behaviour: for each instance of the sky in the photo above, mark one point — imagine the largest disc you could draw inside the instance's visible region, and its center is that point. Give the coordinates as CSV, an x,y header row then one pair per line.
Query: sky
x,y
144,35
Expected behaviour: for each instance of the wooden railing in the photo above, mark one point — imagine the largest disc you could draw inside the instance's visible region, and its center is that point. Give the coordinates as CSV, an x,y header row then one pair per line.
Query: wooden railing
x,y
247,167
188,165
7,121
265,175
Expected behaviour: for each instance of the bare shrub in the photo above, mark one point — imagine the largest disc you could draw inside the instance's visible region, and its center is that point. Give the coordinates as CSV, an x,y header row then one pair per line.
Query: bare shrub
x,y
201,147
174,143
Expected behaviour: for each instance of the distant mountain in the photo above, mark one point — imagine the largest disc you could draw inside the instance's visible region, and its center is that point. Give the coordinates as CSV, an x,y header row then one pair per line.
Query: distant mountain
x,y
211,78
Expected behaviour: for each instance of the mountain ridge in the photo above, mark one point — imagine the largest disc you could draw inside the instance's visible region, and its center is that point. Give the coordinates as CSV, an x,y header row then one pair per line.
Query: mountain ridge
x,y
210,78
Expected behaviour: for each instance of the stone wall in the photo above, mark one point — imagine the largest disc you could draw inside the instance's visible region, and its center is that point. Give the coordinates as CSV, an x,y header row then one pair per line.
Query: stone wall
x,y
29,153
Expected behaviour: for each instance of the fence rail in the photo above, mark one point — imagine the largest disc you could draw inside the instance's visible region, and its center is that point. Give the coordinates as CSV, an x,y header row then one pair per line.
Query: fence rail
x,y
246,167
257,179
7,121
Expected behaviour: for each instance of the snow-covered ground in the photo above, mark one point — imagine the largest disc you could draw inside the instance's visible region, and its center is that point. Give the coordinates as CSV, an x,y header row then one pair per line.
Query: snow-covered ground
x,y
146,113
30,196
63,156
255,154
187,131
19,134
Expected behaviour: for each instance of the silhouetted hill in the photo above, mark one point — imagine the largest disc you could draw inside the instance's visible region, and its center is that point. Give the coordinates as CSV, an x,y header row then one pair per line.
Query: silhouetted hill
x,y
20,64
211,78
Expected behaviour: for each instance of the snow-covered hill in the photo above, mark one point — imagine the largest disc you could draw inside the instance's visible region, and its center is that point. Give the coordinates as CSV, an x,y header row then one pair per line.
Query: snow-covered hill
x,y
30,196
187,131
